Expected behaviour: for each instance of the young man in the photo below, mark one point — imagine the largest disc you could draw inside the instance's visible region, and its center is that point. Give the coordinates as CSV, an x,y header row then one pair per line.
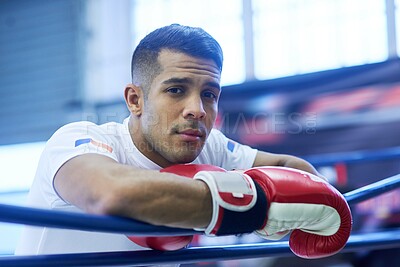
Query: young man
x,y
114,169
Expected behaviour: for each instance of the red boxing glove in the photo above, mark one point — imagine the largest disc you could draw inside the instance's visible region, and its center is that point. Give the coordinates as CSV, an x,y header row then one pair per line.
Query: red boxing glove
x,y
168,243
285,199
302,201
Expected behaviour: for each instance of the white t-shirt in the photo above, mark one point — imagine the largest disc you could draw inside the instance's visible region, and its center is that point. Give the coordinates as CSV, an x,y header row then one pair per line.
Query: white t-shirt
x,y
112,140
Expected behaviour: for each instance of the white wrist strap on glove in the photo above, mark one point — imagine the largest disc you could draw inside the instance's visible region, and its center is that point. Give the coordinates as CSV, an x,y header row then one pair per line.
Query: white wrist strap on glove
x,y
233,194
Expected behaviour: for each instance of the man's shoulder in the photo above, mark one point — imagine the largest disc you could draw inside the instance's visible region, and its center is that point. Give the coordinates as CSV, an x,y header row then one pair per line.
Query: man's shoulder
x,y
78,124
89,123
88,126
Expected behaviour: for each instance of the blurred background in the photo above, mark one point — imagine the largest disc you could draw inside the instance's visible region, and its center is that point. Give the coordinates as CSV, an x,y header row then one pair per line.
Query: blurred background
x,y
304,77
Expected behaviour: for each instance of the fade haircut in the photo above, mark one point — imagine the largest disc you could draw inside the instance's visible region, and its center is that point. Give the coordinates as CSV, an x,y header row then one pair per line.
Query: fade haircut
x,y
192,41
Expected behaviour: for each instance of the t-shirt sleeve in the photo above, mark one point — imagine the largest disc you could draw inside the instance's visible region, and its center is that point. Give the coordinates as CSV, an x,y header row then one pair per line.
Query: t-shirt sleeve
x,y
73,140
226,153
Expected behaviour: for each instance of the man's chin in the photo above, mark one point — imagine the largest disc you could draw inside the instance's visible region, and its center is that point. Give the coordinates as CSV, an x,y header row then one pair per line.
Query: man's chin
x,y
182,159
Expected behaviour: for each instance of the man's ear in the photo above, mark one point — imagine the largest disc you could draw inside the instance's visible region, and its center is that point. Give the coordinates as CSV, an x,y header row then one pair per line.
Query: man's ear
x,y
134,99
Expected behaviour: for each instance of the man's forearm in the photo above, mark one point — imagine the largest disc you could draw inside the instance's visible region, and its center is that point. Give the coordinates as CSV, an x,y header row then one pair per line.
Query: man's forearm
x,y
168,200
270,159
300,164
100,185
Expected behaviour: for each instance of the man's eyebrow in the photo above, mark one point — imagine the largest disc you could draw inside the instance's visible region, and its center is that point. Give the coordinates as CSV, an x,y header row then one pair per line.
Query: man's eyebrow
x,y
175,80
214,85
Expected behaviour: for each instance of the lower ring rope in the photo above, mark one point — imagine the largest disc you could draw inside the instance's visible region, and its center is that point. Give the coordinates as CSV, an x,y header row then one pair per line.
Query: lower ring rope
x,y
377,240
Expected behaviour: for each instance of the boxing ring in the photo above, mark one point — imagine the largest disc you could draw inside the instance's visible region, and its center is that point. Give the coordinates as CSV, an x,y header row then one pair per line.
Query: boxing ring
x,y
67,220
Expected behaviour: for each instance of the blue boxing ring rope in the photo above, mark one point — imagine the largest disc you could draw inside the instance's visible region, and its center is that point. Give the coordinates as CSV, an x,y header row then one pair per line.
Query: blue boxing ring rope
x,y
109,224
378,240
354,157
87,222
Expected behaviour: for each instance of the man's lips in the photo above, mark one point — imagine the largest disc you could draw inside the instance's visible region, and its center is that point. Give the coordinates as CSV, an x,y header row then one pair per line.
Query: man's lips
x,y
193,132
191,135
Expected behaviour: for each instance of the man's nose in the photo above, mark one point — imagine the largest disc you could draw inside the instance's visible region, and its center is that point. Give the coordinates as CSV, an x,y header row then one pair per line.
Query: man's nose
x,y
194,108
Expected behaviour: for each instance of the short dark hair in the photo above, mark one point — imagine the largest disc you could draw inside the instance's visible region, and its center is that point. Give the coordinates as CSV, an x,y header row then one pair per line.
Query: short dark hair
x,y
192,41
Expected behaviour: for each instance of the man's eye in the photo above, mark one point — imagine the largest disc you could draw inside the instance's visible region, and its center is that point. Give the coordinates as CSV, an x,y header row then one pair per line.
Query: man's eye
x,y
175,90
210,95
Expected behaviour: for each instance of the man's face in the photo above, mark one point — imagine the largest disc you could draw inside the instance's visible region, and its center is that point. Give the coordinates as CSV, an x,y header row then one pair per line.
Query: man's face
x,y
180,110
